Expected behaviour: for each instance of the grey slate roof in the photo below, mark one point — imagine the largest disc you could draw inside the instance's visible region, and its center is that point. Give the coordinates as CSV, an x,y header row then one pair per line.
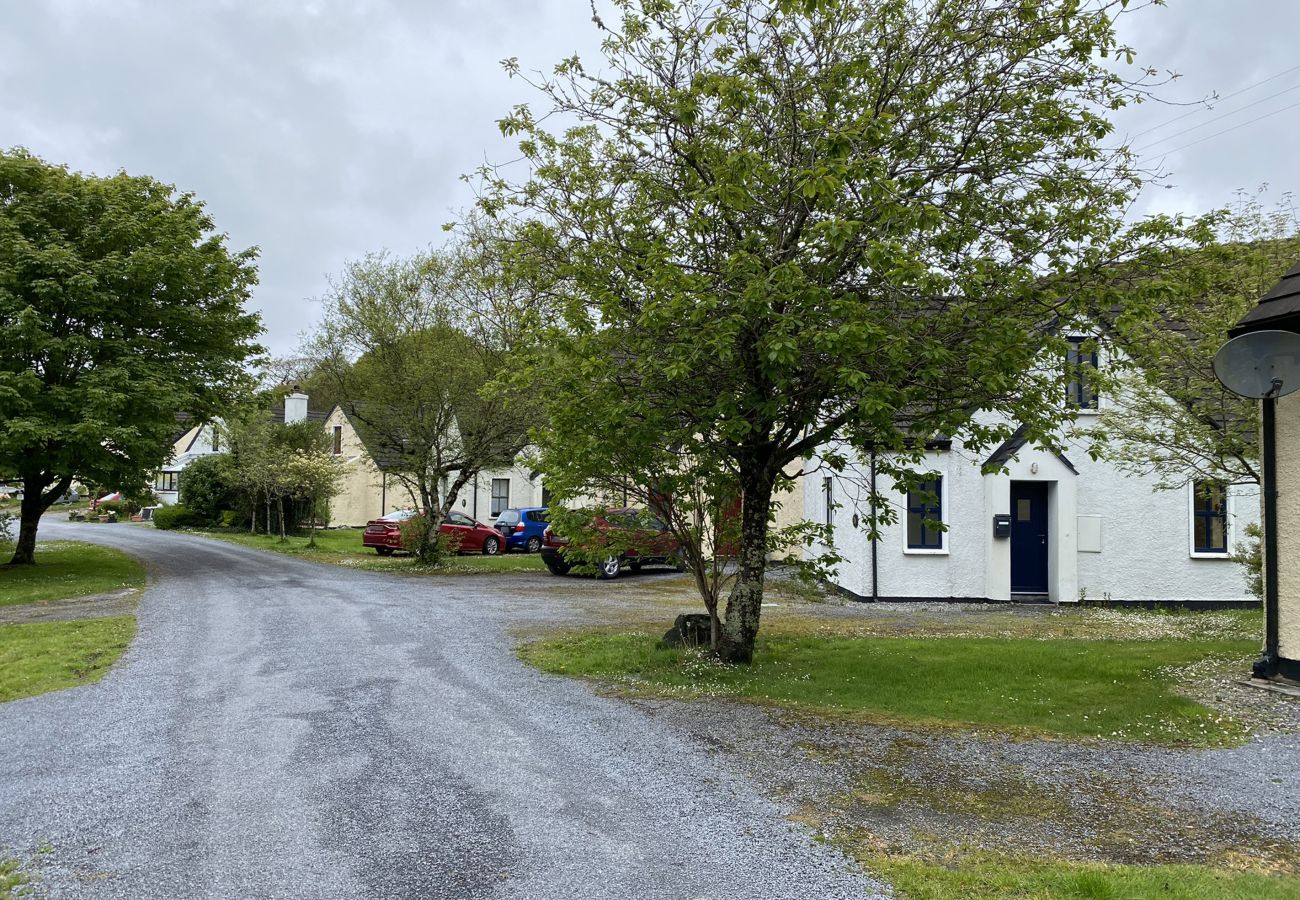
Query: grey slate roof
x,y
1279,308
1001,456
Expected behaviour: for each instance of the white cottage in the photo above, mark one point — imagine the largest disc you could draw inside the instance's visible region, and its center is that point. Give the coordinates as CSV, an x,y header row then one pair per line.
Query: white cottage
x,y
1061,527
197,439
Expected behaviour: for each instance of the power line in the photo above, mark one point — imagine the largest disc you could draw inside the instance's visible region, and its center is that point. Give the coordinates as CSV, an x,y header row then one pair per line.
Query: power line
x,y
1233,128
1249,87
1219,118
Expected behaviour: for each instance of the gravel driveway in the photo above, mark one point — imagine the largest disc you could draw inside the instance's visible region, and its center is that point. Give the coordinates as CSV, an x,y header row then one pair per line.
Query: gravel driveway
x,y
286,729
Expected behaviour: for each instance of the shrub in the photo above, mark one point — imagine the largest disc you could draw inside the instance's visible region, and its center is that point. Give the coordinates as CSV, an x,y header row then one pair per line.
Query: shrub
x,y
7,520
178,516
117,508
208,487
1251,556
228,518
415,532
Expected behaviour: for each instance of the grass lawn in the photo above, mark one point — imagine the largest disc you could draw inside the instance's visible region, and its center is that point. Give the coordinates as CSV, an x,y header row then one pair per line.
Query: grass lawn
x,y
991,877
49,656
68,569
1115,689
342,546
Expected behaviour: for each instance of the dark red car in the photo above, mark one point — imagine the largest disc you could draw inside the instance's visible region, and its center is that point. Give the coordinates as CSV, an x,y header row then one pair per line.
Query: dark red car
x,y
385,533
633,538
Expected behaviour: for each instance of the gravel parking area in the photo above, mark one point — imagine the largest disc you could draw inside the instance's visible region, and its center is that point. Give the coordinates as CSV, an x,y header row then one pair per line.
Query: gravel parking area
x,y
287,729
929,793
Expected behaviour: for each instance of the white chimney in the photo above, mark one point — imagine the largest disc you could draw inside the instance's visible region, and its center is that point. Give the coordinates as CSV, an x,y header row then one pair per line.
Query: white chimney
x,y
295,407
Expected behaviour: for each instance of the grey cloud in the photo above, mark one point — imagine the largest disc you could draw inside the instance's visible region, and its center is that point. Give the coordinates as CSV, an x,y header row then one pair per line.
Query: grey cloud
x,y
322,130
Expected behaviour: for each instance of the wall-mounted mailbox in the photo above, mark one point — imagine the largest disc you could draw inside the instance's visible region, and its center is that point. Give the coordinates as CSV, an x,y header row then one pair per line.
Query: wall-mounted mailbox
x,y
1002,525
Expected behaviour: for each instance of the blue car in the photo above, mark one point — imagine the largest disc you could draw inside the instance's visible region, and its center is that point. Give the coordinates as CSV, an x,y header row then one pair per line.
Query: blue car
x,y
522,528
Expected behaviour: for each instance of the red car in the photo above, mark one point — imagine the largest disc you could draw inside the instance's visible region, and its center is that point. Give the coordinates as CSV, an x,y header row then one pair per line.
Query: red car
x,y
640,540
385,533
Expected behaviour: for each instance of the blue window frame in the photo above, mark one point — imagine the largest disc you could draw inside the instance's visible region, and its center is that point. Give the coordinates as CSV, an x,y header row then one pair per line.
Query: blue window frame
x,y
924,514
1209,517
1079,364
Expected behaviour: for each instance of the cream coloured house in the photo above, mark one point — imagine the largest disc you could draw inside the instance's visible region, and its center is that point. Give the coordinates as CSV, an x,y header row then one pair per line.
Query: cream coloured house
x,y
370,490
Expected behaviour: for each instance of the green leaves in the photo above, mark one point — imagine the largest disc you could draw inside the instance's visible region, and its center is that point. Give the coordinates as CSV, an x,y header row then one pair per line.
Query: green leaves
x,y
779,223
120,306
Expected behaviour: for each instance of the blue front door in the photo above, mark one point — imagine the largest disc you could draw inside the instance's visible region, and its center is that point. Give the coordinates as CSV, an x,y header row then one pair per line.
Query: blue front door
x,y
1028,537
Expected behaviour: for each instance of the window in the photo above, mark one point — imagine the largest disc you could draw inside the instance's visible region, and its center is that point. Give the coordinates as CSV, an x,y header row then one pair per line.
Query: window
x,y
1209,517
166,481
924,514
1080,363
338,440
830,501
459,518
500,495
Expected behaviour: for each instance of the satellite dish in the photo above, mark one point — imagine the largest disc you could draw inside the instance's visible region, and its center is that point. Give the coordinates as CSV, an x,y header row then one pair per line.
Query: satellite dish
x,y
1260,364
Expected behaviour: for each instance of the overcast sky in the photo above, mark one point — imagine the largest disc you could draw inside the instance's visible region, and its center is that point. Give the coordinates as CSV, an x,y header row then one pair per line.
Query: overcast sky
x,y
322,130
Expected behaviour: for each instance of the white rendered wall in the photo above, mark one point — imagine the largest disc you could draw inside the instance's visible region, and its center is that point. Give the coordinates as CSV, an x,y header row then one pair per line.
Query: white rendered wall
x,y
1145,534
476,497
1146,538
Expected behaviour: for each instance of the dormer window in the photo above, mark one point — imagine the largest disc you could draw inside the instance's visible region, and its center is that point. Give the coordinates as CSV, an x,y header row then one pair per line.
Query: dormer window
x,y
1080,364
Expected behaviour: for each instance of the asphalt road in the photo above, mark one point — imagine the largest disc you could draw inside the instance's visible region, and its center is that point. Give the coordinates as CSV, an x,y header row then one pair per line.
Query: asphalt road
x,y
286,729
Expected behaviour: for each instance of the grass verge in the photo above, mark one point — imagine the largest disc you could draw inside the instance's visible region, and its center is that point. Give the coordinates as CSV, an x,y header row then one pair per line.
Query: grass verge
x,y
992,877
49,656
13,881
342,547
1113,689
69,569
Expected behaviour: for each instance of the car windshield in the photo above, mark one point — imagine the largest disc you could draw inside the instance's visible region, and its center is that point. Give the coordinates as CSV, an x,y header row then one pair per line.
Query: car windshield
x,y
623,518
400,516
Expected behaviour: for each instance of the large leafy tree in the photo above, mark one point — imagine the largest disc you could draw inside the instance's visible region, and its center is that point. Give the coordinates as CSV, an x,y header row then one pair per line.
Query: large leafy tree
x,y
778,223
411,345
1172,418
120,306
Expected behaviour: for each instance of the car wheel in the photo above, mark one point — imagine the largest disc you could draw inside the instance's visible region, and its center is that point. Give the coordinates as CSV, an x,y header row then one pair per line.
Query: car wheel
x,y
534,544
609,568
384,551
558,567
491,546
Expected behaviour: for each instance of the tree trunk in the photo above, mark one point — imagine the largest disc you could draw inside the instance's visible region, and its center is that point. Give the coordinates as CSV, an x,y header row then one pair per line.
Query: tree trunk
x,y
457,486
311,523
745,604
283,539
428,549
36,500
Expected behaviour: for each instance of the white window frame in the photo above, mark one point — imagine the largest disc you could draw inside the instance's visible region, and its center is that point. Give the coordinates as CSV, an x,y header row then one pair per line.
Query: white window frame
x,y
1228,535
492,496
944,491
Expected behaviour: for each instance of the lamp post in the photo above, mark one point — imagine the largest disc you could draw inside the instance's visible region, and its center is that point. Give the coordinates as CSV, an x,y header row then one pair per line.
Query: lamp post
x,y
1264,365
